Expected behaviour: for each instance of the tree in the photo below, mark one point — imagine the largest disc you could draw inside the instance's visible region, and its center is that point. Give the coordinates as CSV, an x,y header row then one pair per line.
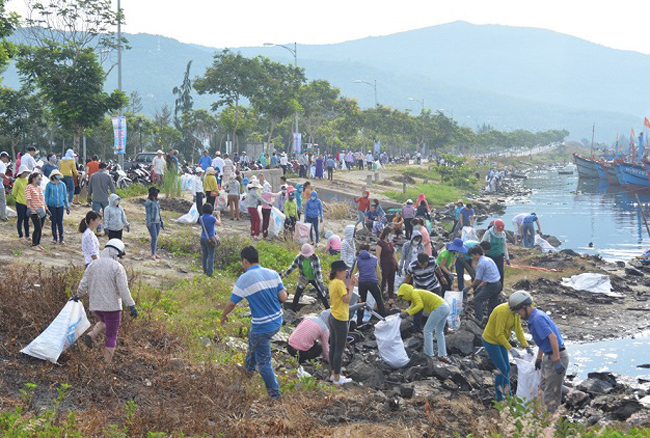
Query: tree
x,y
183,106
20,113
231,76
320,105
135,103
275,96
8,23
71,81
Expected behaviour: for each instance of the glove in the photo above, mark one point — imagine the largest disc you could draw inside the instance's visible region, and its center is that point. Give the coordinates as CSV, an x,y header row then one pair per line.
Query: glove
x,y
529,350
466,289
134,311
74,298
127,228
403,315
538,364
515,354
321,220
67,210
559,367
508,262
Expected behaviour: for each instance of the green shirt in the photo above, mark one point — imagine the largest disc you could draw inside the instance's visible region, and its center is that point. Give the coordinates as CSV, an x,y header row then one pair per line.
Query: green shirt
x,y
446,258
307,269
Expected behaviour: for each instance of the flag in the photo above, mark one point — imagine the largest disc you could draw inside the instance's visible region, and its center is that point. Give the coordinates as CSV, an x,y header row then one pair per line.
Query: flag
x,y
646,122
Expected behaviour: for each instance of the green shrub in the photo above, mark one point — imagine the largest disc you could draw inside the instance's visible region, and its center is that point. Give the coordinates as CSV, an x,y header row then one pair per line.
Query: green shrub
x,y
132,191
11,201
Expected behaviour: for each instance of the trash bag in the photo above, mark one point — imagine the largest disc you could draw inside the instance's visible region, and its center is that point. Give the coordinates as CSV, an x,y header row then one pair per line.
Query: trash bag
x,y
455,301
242,203
67,327
528,378
186,182
11,213
594,283
389,342
301,234
191,217
276,222
222,201
370,301
469,233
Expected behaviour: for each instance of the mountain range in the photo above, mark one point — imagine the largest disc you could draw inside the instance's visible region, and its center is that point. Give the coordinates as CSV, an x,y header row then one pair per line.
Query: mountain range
x,y
508,77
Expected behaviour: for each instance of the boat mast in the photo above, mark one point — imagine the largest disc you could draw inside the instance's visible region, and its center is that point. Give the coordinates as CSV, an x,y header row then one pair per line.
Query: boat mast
x,y
593,130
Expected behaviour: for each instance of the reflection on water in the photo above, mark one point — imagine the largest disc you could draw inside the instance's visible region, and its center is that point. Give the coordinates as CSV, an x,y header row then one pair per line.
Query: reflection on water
x,y
580,212
620,356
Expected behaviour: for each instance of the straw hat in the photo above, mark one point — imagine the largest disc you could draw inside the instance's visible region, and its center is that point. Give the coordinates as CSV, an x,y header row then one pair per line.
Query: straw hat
x,y
254,185
54,173
159,152
210,171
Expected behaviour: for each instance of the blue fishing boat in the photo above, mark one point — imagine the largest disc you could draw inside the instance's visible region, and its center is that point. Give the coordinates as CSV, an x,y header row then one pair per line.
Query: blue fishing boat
x,y
619,172
635,174
599,169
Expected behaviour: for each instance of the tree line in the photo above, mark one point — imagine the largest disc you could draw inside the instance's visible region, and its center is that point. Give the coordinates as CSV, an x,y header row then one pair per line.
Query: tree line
x,y
70,49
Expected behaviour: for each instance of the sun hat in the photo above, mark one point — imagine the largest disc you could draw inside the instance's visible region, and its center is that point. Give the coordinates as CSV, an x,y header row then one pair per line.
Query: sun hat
x,y
457,245
4,154
54,173
409,201
460,201
22,169
198,170
159,152
218,153
290,189
307,250
254,185
210,171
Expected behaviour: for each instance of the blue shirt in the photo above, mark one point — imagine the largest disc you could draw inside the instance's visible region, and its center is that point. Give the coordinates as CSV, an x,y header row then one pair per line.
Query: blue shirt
x,y
329,163
56,195
209,221
540,326
260,286
457,212
205,162
487,271
274,161
531,218
466,213
47,169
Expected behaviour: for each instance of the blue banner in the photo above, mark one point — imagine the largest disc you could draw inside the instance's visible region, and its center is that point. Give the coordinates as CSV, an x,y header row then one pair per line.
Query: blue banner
x,y
119,132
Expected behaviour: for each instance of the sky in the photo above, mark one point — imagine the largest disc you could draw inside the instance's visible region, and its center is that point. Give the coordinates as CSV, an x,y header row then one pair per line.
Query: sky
x,y
623,24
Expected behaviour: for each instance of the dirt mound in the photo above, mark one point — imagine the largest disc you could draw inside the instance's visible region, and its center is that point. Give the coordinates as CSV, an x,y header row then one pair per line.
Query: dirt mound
x,y
177,205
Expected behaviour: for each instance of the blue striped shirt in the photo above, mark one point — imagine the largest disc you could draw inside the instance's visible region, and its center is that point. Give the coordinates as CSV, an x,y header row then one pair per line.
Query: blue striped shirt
x,y
260,286
56,195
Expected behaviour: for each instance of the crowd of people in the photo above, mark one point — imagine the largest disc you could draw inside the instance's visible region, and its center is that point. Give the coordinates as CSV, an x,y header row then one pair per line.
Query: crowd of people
x,y
421,273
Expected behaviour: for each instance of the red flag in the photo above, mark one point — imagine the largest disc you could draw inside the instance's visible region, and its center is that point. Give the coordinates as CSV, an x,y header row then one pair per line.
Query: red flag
x,y
646,123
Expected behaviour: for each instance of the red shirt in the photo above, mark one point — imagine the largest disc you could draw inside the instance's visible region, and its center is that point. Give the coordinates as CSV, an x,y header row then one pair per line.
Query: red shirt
x,y
364,203
93,167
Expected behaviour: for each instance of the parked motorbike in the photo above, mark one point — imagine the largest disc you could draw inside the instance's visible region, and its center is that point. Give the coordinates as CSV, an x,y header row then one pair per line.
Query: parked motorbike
x,y
120,178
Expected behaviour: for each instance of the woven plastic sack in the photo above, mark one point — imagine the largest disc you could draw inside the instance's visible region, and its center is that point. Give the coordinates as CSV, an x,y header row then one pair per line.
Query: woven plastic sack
x,y
389,342
276,222
528,378
455,301
301,234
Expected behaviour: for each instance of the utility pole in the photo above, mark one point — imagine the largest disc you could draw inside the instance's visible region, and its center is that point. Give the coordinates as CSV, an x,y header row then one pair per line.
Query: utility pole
x,y
120,157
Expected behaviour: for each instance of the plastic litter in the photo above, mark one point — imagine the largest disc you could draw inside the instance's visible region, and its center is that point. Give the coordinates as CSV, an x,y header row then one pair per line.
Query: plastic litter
x,y
190,218
469,233
590,282
543,243
455,301
301,234
528,378
276,222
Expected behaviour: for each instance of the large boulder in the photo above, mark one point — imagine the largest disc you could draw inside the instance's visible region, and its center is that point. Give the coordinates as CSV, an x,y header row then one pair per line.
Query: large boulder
x,y
598,384
617,406
461,342
369,375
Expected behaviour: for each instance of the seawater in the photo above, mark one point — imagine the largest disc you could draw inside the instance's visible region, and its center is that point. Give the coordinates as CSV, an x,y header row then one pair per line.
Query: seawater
x,y
582,212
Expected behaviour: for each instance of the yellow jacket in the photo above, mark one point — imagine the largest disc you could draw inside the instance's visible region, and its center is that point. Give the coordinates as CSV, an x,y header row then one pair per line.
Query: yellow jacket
x,y
210,184
18,190
68,168
500,325
420,299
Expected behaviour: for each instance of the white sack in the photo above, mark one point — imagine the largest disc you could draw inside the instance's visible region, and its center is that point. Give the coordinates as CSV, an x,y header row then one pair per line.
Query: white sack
x,y
455,301
389,342
301,234
67,327
469,233
191,217
528,378
543,243
589,282
276,222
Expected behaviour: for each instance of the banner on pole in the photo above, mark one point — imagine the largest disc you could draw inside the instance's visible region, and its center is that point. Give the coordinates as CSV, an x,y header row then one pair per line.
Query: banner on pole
x,y
297,142
377,146
119,132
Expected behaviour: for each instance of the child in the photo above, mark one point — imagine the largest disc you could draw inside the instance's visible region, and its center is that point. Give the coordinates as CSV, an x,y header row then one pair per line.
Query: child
x,y
114,218
290,211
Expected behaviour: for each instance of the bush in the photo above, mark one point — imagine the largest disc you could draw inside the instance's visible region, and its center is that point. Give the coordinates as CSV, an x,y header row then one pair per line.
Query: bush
x,y
11,201
132,191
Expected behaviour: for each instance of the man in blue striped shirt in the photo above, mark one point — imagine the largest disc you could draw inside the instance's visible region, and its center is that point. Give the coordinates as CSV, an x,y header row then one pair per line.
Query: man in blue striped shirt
x,y
487,283
265,293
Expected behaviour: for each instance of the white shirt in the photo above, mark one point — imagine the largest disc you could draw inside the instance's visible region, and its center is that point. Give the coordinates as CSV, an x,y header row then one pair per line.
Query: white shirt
x,y
283,160
218,162
89,245
159,164
196,184
28,161
228,168
3,168
369,158
518,220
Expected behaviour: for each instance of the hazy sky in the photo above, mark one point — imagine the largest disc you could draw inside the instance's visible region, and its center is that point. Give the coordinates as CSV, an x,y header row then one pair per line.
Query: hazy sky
x,y
621,24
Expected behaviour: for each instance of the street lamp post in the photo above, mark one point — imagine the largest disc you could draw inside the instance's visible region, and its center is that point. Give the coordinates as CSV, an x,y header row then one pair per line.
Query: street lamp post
x,y
294,52
374,86
421,102
120,157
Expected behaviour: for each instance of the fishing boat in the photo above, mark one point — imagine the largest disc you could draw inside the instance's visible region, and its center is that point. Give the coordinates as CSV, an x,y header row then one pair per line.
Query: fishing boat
x,y
619,173
586,167
634,174
610,173
599,169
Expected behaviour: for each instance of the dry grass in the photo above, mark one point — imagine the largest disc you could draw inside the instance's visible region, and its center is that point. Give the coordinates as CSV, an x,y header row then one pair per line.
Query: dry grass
x,y
339,210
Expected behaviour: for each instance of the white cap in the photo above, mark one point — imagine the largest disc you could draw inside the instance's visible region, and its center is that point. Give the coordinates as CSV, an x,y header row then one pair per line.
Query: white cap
x,y
198,169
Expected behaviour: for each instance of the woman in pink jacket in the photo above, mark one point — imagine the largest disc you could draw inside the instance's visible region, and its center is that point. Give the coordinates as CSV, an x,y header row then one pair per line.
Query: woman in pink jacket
x,y
36,207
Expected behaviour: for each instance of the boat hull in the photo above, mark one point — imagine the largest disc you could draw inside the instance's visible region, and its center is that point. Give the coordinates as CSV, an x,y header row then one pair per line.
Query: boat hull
x,y
586,168
635,174
610,173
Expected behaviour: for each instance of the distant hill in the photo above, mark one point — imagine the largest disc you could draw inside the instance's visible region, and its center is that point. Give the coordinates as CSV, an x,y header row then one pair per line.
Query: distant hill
x,y
510,77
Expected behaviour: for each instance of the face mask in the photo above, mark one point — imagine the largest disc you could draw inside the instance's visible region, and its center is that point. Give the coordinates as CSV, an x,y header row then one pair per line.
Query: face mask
x,y
414,244
417,227
391,237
